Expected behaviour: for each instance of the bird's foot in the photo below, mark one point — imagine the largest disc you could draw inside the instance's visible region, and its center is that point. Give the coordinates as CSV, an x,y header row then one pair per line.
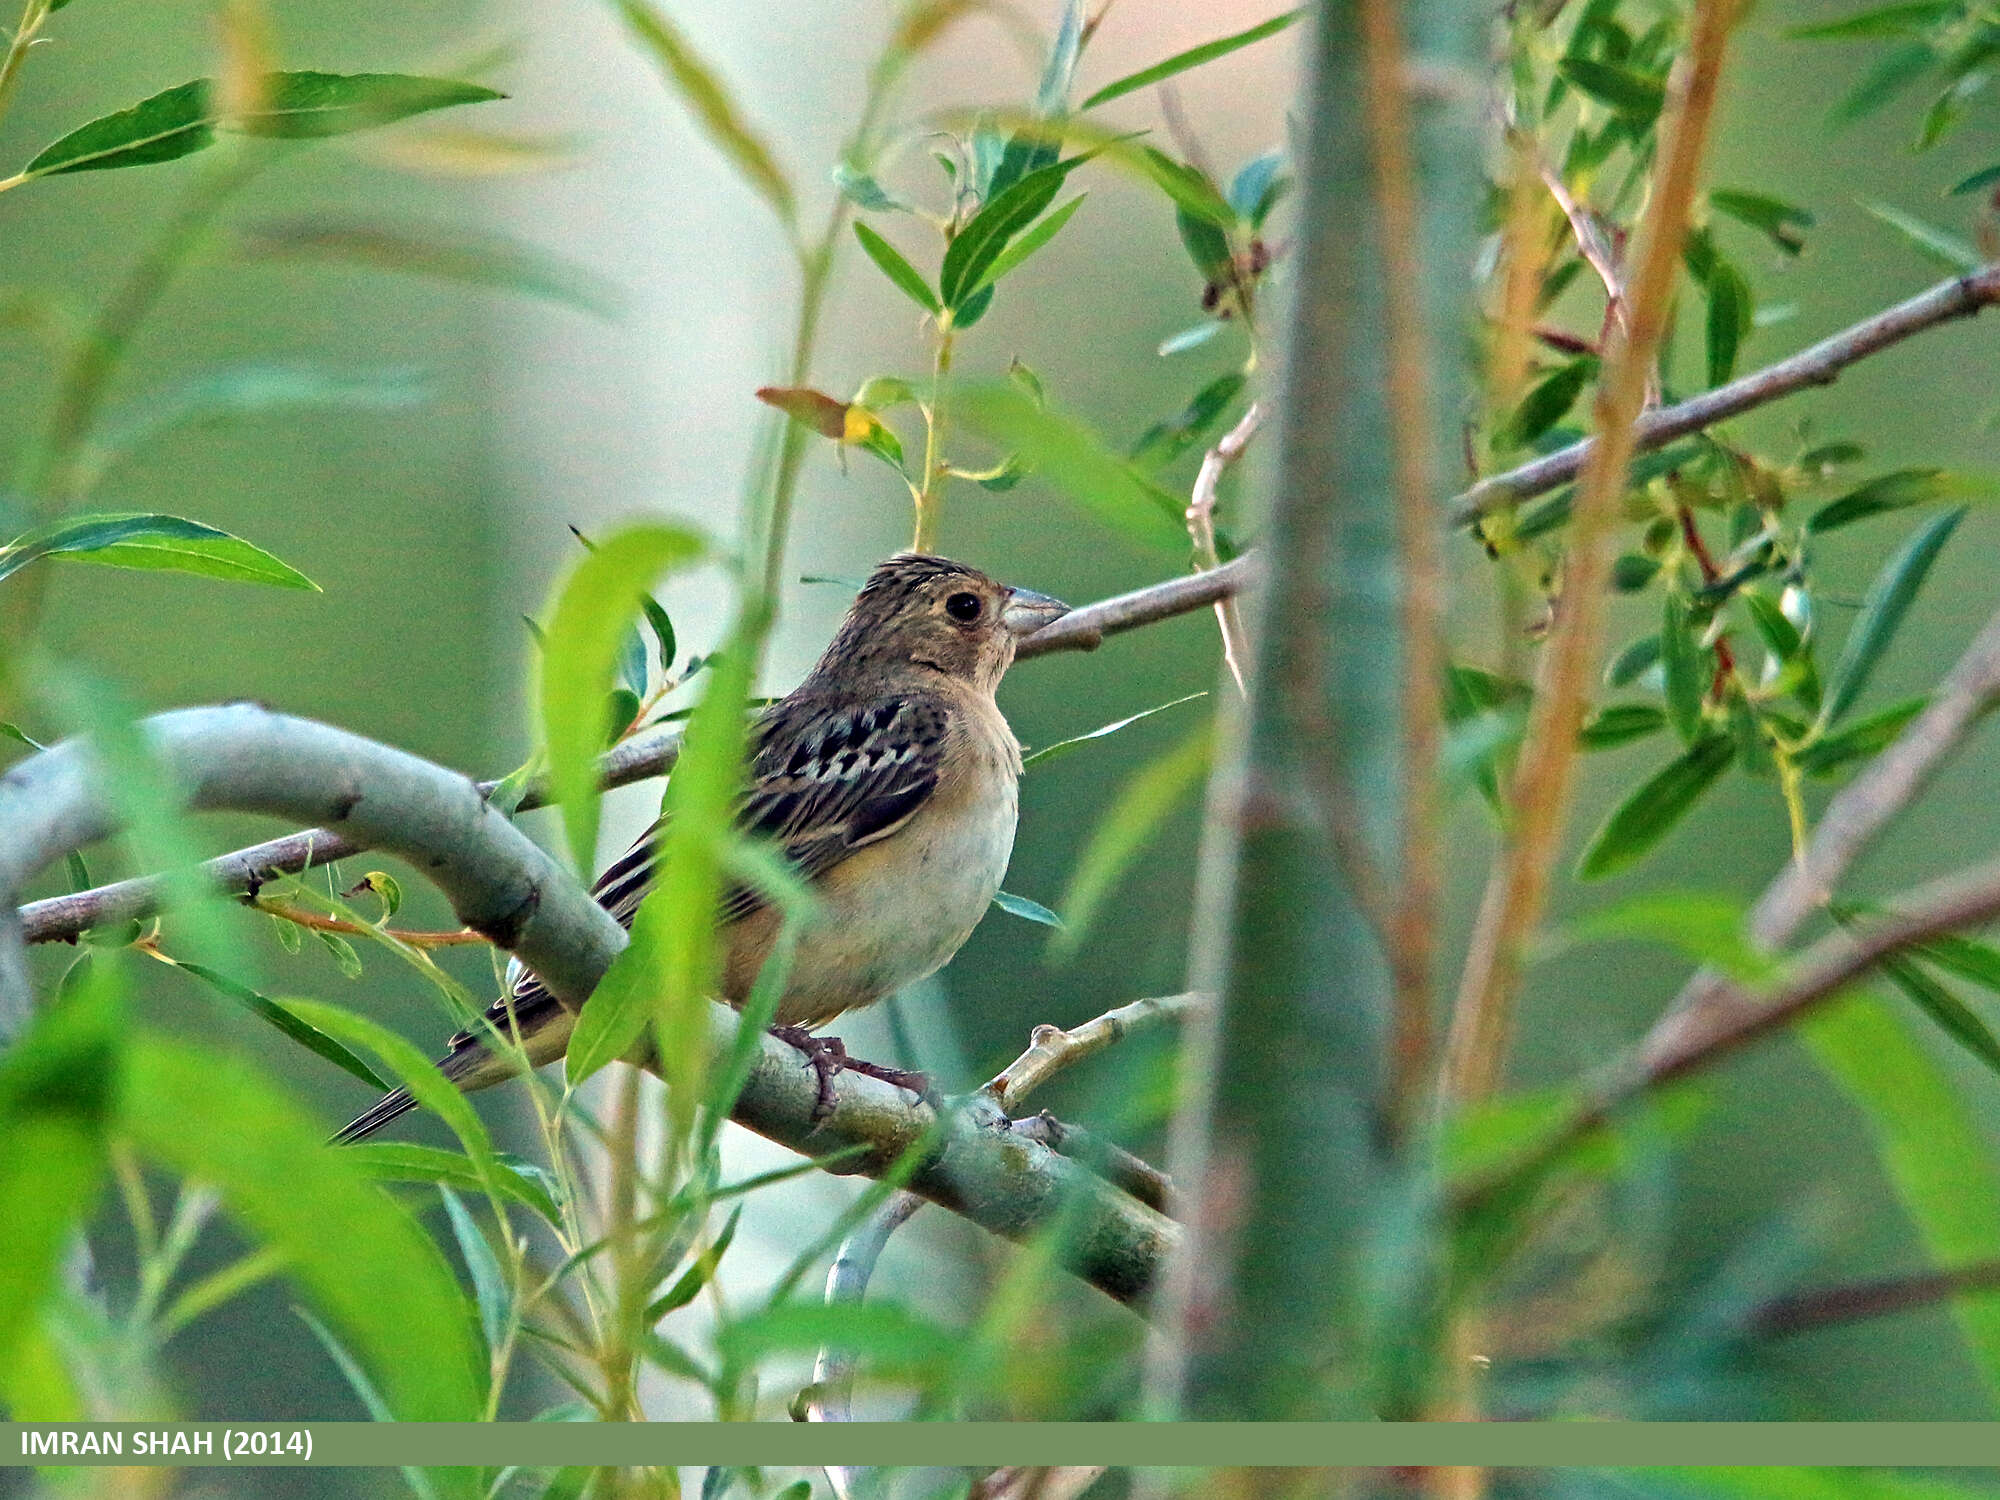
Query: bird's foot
x,y
827,1057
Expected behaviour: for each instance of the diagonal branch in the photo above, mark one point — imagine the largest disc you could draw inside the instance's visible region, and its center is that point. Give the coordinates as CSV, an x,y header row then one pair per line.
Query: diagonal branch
x,y
645,755
246,758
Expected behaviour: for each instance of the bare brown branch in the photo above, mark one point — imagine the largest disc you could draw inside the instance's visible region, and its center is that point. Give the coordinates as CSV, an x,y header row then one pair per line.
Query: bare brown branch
x,y
1051,1049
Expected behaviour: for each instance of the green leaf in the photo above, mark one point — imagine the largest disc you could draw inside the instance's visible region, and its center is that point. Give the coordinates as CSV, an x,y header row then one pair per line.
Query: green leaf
x,y
1906,19
58,1087
184,119
592,613
1953,1016
275,1013
1649,814
256,390
1031,911
1932,1151
1070,456
1684,665
1193,57
1620,724
1882,611
703,93
1947,249
399,1161
1038,235
1731,311
1052,93
1258,186
1778,221
153,543
1167,440
1707,926
1986,177
987,233
1862,740
364,1263
364,1390
1126,826
489,1283
1063,747
1630,95
1634,572
480,258
1189,188
1549,401
1886,493
906,276
698,1275
1889,77
863,191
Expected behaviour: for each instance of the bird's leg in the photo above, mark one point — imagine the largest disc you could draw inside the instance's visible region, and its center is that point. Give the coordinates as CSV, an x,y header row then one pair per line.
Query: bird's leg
x,y
827,1057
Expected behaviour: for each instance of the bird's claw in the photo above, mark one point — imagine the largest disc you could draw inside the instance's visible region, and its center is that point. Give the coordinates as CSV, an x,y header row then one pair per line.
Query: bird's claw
x,y
828,1058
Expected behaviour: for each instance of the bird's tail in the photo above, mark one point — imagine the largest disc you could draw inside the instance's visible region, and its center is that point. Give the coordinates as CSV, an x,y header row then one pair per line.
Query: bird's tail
x,y
466,1059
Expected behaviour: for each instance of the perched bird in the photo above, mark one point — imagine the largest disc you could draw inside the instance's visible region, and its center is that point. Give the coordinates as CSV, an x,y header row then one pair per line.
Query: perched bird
x,y
888,779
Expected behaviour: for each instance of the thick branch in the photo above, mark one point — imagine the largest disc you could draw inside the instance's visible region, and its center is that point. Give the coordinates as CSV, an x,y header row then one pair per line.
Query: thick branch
x,y
1821,364
246,758
62,918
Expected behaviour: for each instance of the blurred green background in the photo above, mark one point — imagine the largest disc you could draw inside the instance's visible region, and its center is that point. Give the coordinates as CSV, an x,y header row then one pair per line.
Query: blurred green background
x,y
432,528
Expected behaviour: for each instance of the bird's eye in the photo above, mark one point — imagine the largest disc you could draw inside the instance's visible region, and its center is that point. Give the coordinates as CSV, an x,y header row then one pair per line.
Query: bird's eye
x,y
963,608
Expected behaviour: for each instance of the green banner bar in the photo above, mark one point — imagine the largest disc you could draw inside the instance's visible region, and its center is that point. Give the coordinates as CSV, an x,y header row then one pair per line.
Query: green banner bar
x,y
990,1444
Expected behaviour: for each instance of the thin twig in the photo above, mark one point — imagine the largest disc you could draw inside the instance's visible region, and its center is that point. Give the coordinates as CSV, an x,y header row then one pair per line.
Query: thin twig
x,y
1051,1049
457,938
1590,244
1412,947
1022,1483
1201,531
1819,364
1517,890
1121,1168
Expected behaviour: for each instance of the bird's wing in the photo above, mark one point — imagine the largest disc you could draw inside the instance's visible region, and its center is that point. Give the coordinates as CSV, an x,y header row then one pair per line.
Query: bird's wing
x,y
824,782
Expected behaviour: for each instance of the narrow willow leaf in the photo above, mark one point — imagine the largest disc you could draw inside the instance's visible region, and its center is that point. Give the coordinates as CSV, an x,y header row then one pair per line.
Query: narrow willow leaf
x,y
366,1266
1052,93
1940,245
1038,235
1707,926
1165,441
1068,455
1932,1151
698,1275
1193,57
364,1390
1649,814
1984,178
703,93
1731,315
979,244
1953,1016
400,1161
277,1014
1634,572
1882,612
908,279
259,389
1126,826
1779,221
1620,90
1900,68
479,258
863,191
1889,492
1684,665
153,543
1063,747
490,1291
1029,911
1864,739
592,612
184,119
1549,401
1189,188
1903,19
1621,724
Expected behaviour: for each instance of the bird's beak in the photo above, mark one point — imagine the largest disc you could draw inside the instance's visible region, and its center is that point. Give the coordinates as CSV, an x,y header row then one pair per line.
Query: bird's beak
x,y
1026,611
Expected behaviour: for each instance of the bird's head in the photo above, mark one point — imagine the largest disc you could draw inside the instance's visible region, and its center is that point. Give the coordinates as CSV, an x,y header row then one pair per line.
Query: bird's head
x,y
939,616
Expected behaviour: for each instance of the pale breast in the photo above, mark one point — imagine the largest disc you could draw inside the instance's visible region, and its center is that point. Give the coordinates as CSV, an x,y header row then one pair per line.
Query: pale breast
x,y
897,912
